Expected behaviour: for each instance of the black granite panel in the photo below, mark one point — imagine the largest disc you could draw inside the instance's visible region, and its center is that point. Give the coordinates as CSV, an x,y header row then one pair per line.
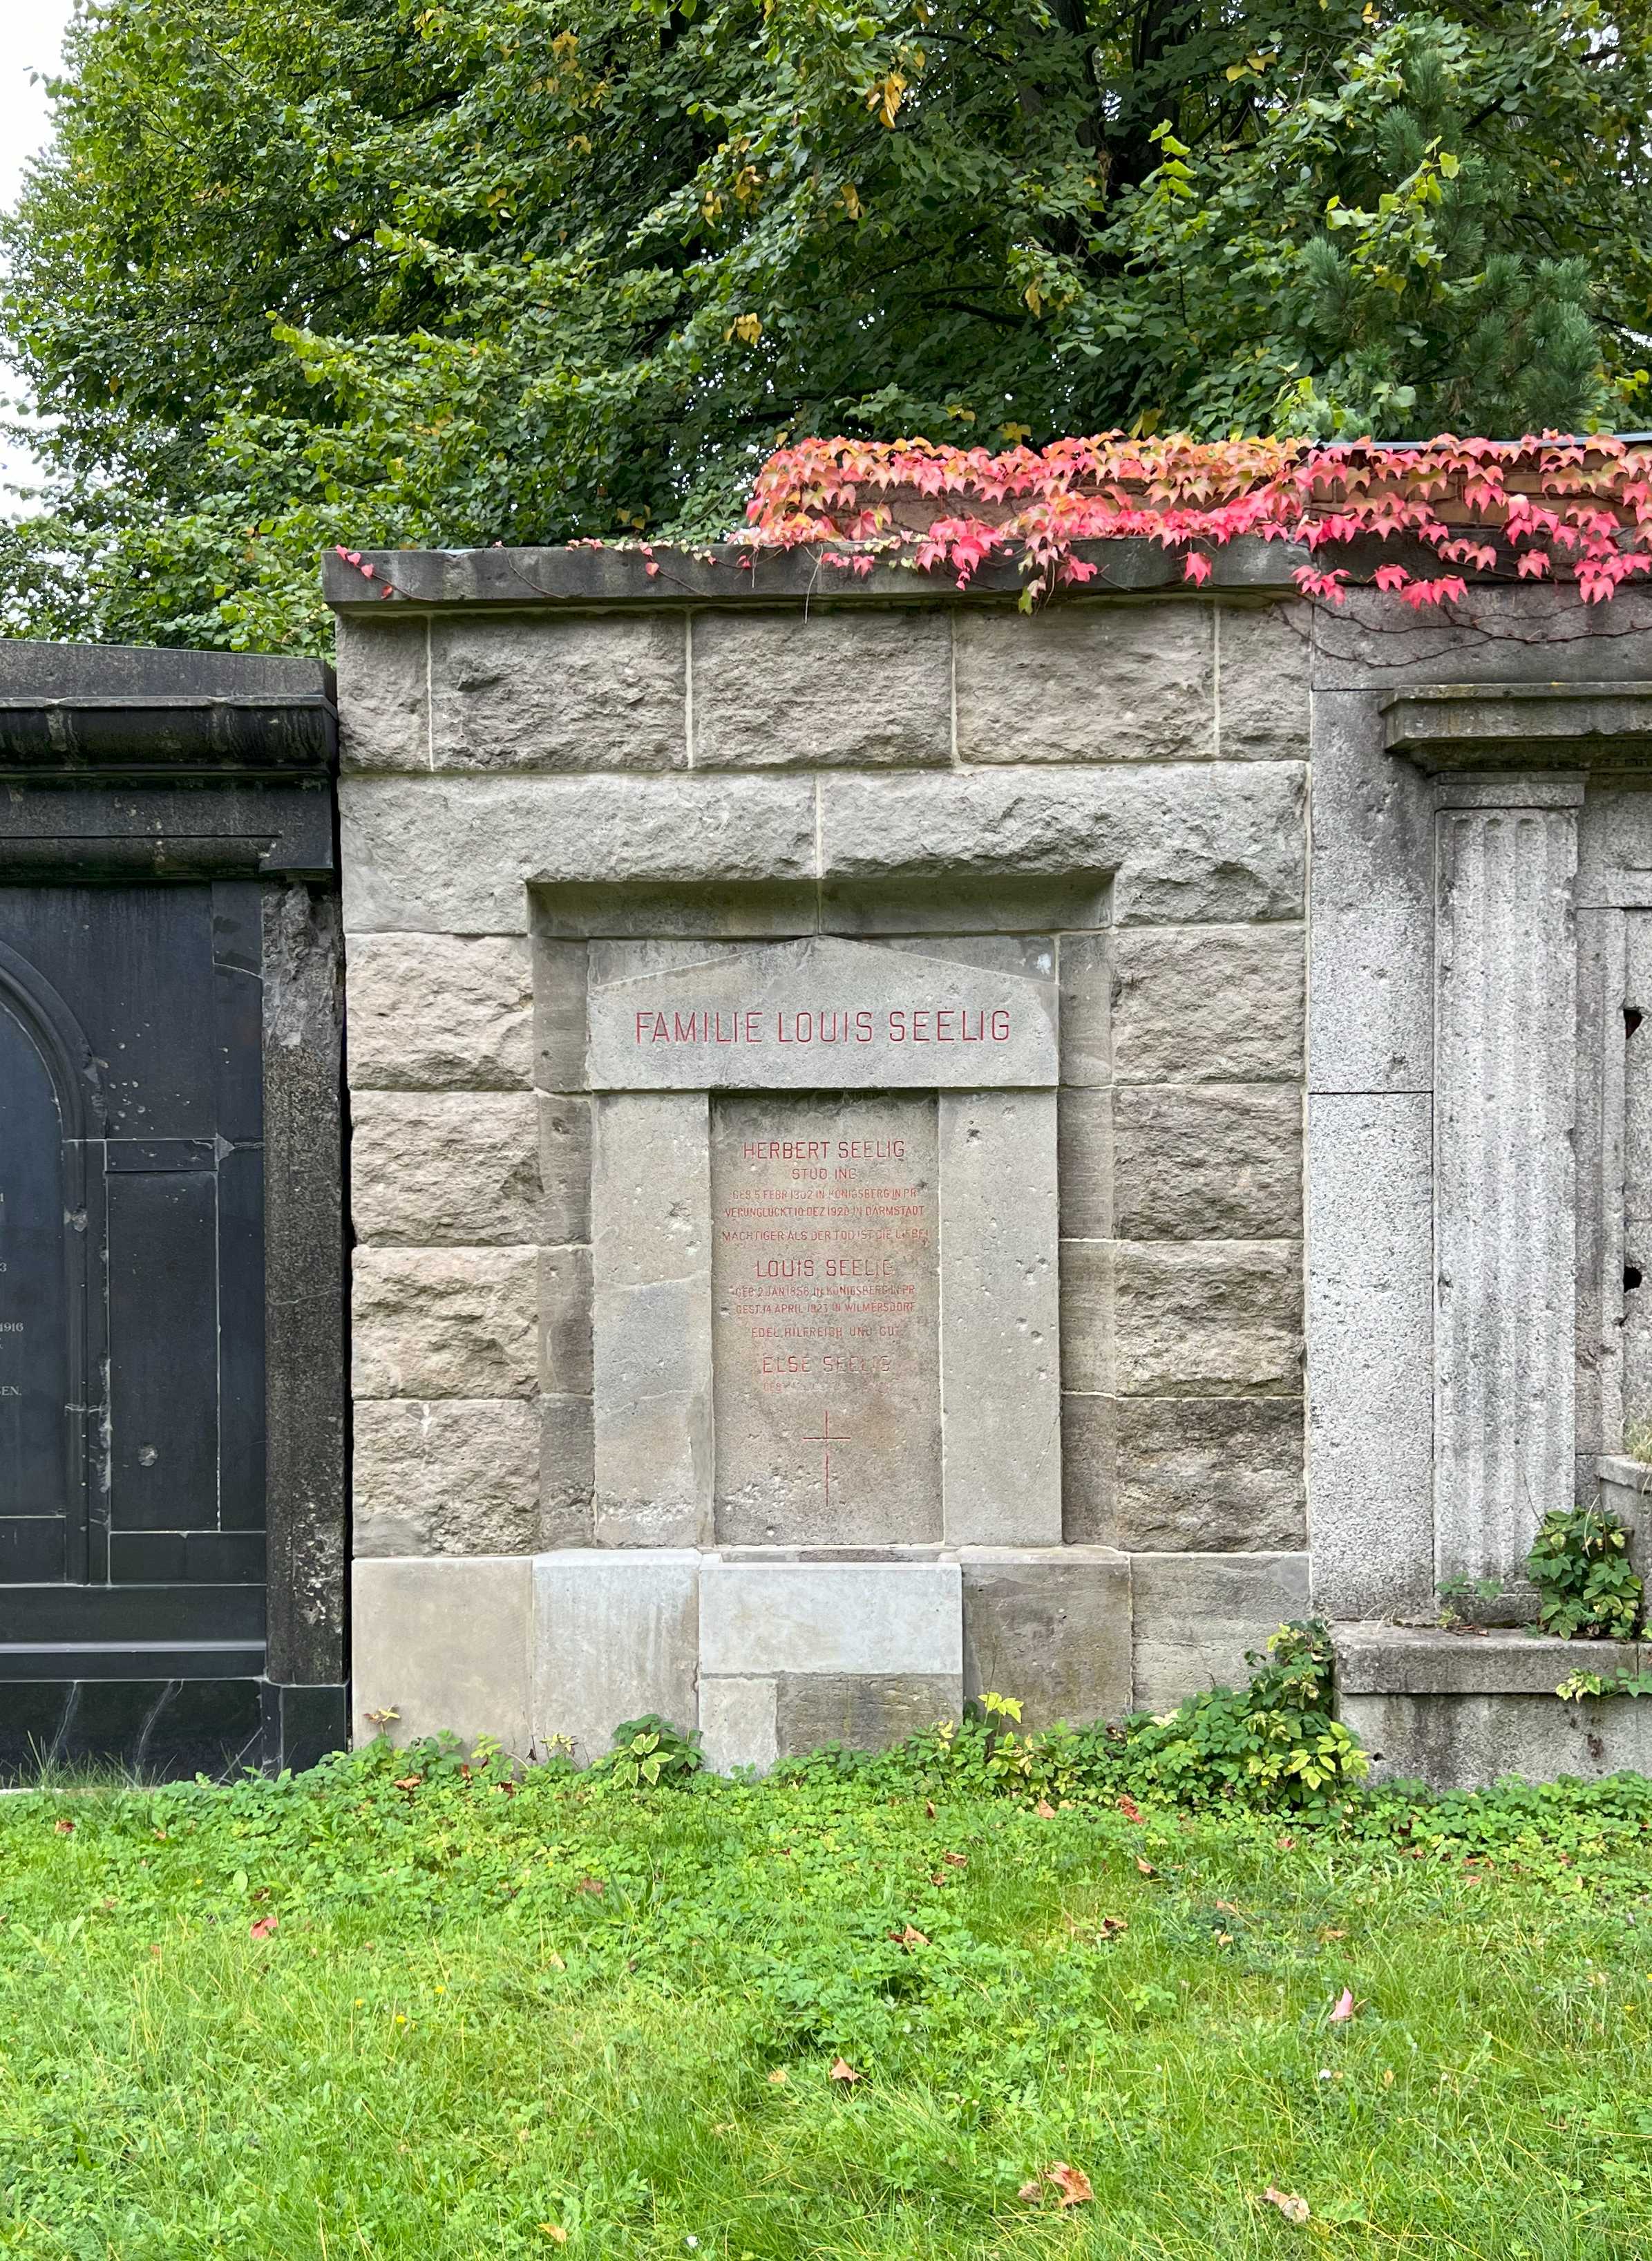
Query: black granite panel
x,y
31,1546
163,1350
158,1729
196,1558
240,1338
34,1286
305,1723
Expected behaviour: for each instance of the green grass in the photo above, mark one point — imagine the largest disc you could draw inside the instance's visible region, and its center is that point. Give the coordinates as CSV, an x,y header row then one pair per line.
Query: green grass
x,y
482,2012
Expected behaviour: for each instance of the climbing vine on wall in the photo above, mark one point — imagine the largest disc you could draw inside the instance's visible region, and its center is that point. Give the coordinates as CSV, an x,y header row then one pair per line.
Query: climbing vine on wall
x,y
1578,511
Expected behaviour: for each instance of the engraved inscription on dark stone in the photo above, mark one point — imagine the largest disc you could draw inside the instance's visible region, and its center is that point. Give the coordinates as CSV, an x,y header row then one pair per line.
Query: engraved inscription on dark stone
x,y
34,1318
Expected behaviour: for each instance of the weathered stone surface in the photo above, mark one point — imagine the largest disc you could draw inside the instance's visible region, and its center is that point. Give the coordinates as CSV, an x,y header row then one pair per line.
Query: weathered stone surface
x,y
818,1013
1084,1129
567,1470
445,1645
737,1724
561,976
1532,634
1465,1742
1371,973
1190,841
1504,1185
1207,1318
565,1298
383,715
1625,1491
993,903
826,1302
555,692
616,1636
1208,1005
458,855
1383,1660
446,1322
1196,1615
819,688
440,1012
1086,683
1207,1161
1051,1625
1264,661
841,1617
1185,1475
651,1246
432,1168
1370,1352
564,1168
1086,1010
446,1477
1000,1318
862,1711
1086,1316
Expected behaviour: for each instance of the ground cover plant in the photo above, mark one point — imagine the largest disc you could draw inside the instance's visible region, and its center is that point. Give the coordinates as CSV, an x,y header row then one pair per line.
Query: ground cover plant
x,y
406,2007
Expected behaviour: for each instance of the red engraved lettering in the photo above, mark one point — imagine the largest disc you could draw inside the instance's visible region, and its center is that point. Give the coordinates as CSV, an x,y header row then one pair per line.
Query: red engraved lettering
x,y
754,1028
681,1034
943,1019
1001,1025
640,1019
863,1028
920,1027
897,1025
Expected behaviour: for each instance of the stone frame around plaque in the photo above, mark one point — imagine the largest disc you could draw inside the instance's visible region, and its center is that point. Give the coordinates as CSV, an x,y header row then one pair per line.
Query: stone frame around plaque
x,y
629,1317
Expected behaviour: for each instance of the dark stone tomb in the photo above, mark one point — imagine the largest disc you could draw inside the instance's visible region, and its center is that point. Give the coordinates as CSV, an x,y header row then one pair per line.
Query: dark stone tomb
x,y
171,1391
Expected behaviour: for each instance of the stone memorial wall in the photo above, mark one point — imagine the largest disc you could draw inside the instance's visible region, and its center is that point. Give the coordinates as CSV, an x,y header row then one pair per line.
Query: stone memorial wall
x,y
839,1078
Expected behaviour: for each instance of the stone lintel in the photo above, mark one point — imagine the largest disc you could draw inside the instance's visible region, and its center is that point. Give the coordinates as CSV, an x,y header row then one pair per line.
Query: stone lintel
x,y
1475,725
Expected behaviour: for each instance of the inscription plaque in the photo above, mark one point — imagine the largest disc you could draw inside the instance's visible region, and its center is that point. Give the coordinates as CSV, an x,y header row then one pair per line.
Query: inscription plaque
x,y
34,1364
826,1295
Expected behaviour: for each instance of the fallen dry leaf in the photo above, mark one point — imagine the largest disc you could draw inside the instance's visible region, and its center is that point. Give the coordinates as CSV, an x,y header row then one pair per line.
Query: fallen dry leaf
x,y
265,1926
1034,2189
1146,1867
555,2231
1326,1933
929,1807
555,1960
1228,1908
841,2070
777,2078
1294,2210
408,1781
911,1937
1286,1844
63,1828
1072,2183
1045,1811
594,1885
1129,1808
1347,2007
956,1860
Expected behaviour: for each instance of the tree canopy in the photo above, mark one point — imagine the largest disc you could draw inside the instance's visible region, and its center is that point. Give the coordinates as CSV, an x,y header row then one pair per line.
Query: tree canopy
x,y
455,272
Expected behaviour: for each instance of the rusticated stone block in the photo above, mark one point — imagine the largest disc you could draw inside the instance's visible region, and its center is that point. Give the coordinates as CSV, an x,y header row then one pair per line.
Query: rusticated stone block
x,y
446,1477
1050,1625
821,687
1206,1161
384,719
566,1471
1193,1474
1207,1004
1263,656
1086,683
433,1168
440,1012
559,693
1197,1615
446,1322
561,971
1207,1318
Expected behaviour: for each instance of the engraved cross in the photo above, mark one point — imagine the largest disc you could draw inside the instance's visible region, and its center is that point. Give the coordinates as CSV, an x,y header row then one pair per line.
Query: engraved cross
x,y
826,1440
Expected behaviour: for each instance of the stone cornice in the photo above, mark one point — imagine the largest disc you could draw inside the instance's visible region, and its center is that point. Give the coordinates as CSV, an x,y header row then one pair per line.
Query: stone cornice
x,y
1548,726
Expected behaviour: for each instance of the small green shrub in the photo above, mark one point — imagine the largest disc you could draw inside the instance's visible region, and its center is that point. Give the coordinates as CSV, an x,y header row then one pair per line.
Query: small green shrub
x,y
649,1754
1581,1570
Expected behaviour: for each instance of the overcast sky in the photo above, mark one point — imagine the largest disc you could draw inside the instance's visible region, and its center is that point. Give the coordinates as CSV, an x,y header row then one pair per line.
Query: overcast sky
x,y
31,39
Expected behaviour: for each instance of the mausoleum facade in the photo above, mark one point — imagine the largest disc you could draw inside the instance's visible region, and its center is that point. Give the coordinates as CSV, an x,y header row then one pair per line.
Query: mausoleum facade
x,y
900,1148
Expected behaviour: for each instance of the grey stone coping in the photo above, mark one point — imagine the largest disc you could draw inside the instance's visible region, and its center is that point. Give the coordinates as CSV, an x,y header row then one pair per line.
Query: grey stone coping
x,y
1618,1468
96,709
1379,1660
1542,725
726,574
